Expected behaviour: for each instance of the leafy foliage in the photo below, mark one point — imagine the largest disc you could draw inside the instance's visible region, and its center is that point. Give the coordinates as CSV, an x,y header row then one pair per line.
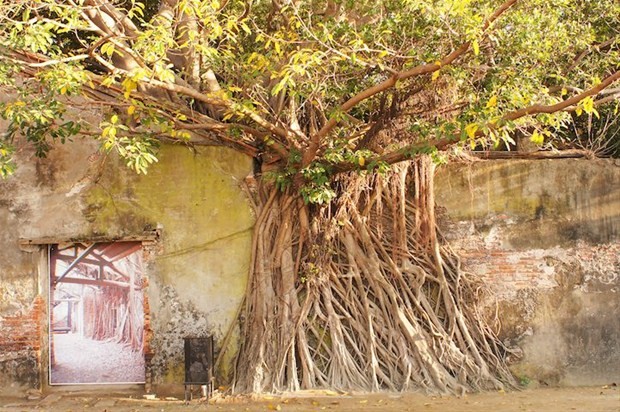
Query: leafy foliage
x,y
347,85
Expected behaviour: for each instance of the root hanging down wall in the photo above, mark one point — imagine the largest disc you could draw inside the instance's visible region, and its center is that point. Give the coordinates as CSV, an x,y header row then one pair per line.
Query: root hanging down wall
x,y
363,295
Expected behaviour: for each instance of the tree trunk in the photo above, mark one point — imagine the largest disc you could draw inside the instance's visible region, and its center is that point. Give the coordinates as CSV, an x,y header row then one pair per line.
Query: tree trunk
x,y
362,295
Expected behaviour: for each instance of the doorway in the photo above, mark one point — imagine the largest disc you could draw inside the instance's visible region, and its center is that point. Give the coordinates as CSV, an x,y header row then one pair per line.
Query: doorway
x,y
96,313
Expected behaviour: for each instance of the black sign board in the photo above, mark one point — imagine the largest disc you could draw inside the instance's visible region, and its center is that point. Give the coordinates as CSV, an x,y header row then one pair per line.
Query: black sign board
x,y
198,361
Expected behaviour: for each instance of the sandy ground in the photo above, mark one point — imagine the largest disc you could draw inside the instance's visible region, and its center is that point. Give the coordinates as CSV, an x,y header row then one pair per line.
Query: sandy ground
x,y
81,360
591,399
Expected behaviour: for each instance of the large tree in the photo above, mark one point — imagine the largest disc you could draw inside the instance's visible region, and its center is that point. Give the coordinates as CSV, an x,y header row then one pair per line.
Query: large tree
x,y
346,106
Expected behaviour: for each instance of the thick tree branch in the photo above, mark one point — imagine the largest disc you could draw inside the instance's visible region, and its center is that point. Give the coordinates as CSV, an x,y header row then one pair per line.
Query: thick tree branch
x,y
538,108
315,141
443,143
584,53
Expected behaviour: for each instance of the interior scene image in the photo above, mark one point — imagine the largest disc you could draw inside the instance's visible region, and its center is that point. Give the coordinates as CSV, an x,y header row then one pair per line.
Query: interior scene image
x,y
96,313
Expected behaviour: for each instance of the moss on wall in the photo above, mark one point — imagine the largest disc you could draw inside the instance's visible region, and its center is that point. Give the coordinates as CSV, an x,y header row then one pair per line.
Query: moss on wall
x,y
195,199
544,203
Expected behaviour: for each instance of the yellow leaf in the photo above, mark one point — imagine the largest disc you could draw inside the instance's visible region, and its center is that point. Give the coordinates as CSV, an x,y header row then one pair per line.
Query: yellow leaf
x,y
63,90
129,85
274,407
435,75
476,47
217,30
537,138
361,160
131,110
114,119
564,91
471,130
588,105
578,110
492,102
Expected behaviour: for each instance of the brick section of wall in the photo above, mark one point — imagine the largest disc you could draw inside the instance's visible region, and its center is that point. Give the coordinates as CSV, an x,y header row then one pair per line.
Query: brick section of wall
x,y
22,331
20,347
507,271
543,237
499,268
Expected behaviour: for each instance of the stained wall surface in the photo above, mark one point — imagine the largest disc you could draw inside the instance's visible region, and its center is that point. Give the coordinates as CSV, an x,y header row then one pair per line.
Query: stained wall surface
x,y
196,270
545,236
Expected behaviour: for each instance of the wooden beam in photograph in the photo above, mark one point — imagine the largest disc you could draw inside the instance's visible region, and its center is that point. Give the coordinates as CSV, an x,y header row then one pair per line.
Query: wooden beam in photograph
x,y
96,262
119,250
75,262
93,282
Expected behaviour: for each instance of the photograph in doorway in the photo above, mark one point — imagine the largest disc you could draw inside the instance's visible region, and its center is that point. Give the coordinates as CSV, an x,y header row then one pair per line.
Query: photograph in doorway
x,y
96,313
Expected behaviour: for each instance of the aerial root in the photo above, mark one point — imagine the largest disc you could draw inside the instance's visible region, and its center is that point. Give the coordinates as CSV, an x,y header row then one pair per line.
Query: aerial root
x,y
379,301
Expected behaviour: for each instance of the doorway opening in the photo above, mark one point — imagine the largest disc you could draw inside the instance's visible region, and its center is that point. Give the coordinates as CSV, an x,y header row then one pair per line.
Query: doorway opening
x,y
96,313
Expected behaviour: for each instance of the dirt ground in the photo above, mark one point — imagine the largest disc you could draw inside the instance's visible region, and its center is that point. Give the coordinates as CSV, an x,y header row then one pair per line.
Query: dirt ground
x,y
590,399
81,360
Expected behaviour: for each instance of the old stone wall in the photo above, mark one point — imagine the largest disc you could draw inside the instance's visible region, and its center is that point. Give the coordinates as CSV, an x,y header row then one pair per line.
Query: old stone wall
x,y
196,270
544,236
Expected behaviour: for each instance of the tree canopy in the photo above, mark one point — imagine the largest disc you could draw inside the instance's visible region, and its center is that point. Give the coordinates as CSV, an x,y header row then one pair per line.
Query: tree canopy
x,y
310,88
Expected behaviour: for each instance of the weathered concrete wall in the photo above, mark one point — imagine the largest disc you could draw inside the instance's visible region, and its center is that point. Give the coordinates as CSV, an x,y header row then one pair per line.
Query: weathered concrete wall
x,y
544,235
196,272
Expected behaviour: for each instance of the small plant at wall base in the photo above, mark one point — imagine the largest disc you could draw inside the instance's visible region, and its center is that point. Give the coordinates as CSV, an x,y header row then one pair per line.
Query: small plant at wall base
x,y
343,105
